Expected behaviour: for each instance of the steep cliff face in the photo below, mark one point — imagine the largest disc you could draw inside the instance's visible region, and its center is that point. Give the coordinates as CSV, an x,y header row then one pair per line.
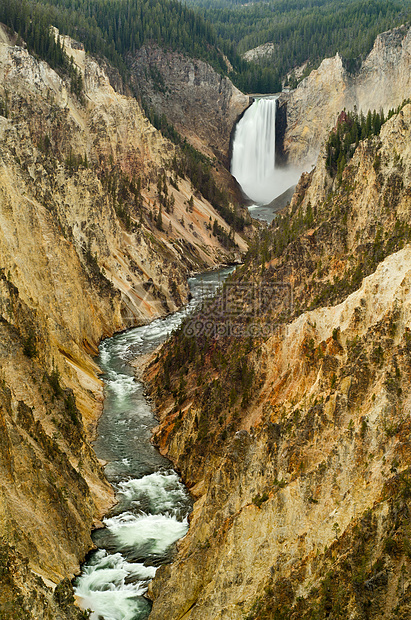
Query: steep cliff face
x,y
296,446
85,250
179,87
383,81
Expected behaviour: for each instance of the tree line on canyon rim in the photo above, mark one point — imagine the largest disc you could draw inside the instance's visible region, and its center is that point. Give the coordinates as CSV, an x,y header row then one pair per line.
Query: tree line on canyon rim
x,y
301,30
212,30
351,128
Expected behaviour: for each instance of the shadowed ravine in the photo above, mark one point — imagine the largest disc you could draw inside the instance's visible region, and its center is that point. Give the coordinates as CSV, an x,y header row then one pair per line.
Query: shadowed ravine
x,y
153,504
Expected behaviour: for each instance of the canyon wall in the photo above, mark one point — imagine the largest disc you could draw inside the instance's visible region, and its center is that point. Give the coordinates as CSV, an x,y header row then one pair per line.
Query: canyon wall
x,y
84,251
202,104
383,81
296,446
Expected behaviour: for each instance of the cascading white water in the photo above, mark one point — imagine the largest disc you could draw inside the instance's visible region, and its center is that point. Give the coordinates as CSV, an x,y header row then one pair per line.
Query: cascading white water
x,y
153,504
253,156
253,160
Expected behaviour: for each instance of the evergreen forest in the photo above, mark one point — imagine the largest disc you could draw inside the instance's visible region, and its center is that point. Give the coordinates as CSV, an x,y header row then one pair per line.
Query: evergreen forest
x,y
301,31
213,30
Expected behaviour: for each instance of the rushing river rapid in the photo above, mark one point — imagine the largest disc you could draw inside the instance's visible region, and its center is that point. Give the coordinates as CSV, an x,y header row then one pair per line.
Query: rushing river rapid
x,y
153,504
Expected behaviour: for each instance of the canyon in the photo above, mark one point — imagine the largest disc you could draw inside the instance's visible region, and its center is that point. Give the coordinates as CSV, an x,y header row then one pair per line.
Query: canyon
x,y
83,254
294,446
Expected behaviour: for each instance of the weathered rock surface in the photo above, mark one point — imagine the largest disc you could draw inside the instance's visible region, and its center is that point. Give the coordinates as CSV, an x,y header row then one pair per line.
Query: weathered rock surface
x,y
383,81
202,104
262,51
303,480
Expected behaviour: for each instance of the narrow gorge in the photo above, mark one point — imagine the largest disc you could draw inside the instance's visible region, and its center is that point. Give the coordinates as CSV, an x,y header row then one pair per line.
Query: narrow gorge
x,y
100,228
153,505
295,446
283,402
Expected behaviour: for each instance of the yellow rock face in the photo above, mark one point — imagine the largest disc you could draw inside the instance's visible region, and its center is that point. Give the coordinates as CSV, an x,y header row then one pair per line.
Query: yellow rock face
x,y
303,502
383,81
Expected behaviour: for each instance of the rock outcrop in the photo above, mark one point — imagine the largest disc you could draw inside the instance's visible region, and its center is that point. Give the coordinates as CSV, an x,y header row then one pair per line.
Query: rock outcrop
x,y
265,50
383,81
202,104
296,446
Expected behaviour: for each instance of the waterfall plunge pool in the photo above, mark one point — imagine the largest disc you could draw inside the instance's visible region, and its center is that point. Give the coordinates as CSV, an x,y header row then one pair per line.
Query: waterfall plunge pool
x,y
153,505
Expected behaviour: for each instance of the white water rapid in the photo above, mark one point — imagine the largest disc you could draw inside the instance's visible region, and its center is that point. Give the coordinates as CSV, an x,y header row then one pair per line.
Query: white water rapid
x,y
253,157
153,504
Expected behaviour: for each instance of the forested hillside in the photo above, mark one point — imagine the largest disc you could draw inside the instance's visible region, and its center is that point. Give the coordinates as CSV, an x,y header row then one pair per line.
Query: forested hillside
x,y
301,30
113,29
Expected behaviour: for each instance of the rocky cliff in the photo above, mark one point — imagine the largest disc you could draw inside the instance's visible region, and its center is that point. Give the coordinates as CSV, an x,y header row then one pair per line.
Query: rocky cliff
x,y
383,81
202,104
296,445
97,233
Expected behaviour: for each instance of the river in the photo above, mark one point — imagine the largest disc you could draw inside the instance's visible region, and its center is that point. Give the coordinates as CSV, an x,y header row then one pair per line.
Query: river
x,y
153,505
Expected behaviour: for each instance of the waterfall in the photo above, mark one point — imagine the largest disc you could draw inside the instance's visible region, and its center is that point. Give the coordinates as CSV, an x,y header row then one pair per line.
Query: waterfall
x,y
253,156
253,160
